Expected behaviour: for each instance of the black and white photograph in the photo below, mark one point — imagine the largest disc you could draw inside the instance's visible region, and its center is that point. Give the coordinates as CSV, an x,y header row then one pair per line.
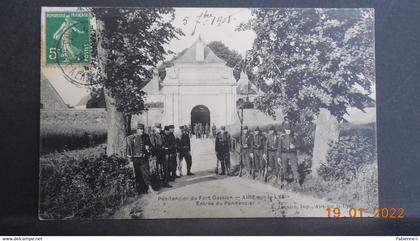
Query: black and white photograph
x,y
170,113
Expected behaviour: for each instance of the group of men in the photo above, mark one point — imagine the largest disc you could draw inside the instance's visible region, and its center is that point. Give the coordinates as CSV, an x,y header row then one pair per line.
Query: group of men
x,y
271,153
156,157
203,130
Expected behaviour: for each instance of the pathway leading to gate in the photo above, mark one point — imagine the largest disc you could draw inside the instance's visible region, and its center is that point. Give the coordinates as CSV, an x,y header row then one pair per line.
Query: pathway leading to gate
x,y
207,195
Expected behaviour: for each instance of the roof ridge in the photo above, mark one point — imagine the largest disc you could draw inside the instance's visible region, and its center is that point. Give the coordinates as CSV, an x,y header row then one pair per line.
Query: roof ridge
x,y
189,55
51,86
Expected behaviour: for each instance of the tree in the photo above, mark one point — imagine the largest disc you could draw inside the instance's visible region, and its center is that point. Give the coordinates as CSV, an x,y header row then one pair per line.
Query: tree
x,y
232,57
97,99
308,59
127,44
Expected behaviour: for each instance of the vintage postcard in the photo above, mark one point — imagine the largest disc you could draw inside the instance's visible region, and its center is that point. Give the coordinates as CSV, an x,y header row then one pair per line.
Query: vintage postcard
x,y
166,113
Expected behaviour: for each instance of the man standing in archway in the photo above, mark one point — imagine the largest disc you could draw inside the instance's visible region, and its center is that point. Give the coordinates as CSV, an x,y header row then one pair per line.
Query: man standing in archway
x,y
213,130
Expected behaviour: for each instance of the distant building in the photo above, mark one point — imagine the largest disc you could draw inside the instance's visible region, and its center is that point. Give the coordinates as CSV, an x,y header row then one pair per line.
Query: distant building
x,y
50,99
81,105
246,90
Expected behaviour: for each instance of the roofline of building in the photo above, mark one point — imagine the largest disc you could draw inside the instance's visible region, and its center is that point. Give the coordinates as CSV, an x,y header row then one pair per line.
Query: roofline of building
x,y
52,86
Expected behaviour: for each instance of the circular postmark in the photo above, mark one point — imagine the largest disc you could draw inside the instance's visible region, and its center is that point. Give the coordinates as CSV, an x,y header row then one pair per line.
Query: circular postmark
x,y
73,51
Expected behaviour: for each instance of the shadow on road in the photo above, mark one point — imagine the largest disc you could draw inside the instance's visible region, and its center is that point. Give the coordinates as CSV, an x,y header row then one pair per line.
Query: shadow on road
x,y
200,176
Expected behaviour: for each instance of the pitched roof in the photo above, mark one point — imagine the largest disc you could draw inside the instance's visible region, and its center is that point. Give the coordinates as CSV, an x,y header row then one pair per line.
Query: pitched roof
x,y
50,98
84,100
244,86
190,55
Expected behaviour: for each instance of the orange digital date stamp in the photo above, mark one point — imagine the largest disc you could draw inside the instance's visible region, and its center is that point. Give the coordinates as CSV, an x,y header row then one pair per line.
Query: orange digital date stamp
x,y
384,213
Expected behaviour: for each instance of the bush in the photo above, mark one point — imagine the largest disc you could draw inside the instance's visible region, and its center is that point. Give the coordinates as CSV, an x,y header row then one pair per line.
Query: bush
x,y
93,187
346,156
364,130
71,129
305,134
65,136
304,168
361,192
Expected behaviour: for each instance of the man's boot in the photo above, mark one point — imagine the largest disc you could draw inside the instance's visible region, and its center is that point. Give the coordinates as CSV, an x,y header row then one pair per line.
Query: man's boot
x,y
150,190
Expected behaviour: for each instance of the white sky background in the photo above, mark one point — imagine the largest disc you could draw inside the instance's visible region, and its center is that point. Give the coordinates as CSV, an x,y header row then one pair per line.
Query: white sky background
x,y
185,18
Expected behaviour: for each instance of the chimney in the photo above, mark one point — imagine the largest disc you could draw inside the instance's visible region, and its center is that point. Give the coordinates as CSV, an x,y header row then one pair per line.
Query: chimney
x,y
199,50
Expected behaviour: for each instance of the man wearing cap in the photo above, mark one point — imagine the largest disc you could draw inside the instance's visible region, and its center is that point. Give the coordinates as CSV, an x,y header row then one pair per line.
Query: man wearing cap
x,y
246,149
258,149
222,148
184,150
195,130
213,130
172,153
138,146
158,151
167,147
288,152
271,153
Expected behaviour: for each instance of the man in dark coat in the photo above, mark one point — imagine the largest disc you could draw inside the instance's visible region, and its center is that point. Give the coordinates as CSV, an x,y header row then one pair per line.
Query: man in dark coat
x,y
288,153
200,130
222,148
156,140
196,130
172,156
184,150
214,130
246,150
138,146
258,149
272,153
169,147
207,130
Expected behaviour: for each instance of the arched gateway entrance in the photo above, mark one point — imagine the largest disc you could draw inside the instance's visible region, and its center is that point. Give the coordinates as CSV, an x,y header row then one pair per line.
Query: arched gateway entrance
x,y
200,114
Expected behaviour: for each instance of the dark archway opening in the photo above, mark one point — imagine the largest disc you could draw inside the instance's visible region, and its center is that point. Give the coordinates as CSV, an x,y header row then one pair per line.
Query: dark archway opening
x,y
200,114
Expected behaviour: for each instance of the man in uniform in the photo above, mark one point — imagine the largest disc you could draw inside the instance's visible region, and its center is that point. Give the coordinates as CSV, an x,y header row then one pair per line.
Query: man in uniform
x,y
200,130
153,164
195,130
271,153
222,148
246,150
258,149
207,128
172,156
184,150
157,150
167,147
288,153
138,151
189,130
214,130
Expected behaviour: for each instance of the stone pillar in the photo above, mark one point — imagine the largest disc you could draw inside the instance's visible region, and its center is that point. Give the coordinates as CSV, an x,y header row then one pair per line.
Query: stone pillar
x,y
327,131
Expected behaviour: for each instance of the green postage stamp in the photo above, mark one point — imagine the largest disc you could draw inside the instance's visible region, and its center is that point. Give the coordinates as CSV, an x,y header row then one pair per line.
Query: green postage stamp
x,y
67,38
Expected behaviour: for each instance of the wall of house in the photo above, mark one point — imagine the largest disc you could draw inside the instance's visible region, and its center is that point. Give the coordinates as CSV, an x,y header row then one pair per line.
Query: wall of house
x,y
189,85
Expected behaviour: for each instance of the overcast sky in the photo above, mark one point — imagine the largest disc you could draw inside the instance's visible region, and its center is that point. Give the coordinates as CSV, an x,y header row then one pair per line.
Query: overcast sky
x,y
214,24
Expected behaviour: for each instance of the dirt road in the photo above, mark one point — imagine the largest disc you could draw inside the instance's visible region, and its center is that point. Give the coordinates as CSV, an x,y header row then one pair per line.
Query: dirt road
x,y
207,195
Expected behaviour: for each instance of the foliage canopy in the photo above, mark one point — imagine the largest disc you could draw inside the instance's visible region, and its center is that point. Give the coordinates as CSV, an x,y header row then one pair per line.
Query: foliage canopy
x,y
307,59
